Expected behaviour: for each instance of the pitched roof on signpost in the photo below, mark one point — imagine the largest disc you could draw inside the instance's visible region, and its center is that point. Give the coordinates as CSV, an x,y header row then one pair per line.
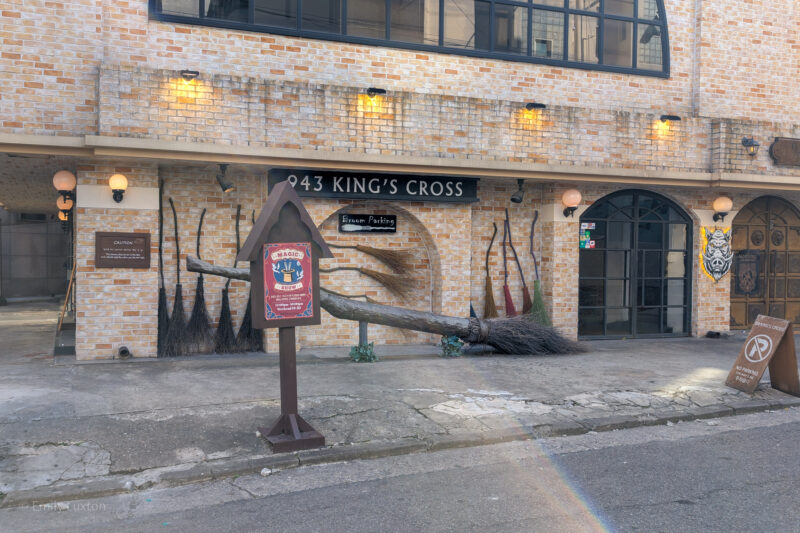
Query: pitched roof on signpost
x,y
282,194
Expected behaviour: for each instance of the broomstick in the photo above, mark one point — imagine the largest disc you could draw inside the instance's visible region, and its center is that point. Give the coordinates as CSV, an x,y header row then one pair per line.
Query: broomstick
x,y
399,285
538,311
249,339
398,260
163,312
510,310
225,338
507,335
489,307
526,295
198,334
175,343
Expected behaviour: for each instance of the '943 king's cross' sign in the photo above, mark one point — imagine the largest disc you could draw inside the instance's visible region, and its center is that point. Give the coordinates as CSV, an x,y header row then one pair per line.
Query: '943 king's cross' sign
x,y
288,281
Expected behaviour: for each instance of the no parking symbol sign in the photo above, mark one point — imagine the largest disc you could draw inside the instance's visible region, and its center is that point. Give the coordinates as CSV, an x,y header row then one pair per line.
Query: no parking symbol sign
x,y
770,344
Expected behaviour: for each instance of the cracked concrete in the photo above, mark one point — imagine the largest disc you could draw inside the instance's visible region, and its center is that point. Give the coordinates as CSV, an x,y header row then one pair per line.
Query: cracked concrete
x,y
144,423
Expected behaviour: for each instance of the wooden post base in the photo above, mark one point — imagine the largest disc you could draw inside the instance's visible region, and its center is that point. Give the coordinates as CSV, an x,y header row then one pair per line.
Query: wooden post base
x,y
290,433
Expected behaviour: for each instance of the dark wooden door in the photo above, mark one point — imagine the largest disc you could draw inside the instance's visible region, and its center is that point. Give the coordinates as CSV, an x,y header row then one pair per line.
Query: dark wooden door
x,y
765,276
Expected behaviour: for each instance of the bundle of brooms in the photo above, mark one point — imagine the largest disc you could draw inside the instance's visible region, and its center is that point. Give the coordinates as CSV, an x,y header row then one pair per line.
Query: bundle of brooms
x,y
515,335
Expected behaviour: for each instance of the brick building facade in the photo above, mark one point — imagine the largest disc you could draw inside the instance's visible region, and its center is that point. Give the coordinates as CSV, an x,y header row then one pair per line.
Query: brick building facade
x,y
95,87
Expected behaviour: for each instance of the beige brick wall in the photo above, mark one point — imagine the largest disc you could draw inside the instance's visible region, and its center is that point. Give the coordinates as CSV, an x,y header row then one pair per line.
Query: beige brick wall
x,y
730,59
115,306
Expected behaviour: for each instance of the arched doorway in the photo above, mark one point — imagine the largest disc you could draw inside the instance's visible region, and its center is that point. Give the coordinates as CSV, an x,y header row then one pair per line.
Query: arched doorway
x,y
765,276
635,265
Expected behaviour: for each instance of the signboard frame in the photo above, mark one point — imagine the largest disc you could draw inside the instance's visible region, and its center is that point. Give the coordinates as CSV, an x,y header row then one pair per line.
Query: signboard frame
x,y
309,183
103,261
770,344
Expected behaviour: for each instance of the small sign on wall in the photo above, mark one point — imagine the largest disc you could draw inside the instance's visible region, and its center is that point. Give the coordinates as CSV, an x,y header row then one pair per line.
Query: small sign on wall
x,y
367,223
121,250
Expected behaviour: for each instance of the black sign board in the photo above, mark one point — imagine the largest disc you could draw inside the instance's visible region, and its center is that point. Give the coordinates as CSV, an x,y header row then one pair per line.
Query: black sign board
x,y
374,186
367,223
121,250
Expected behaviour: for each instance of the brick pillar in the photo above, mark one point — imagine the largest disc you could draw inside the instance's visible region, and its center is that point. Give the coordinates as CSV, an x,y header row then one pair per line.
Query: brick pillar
x,y
115,306
559,269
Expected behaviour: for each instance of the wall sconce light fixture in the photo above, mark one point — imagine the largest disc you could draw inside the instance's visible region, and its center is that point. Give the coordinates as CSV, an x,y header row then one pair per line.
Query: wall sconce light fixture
x,y
751,145
571,199
722,206
225,185
64,181
530,106
63,216
189,75
520,194
372,92
118,184
64,204
670,118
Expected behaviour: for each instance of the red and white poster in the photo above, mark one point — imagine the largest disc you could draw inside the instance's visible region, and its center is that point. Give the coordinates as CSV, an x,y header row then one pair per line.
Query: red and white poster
x,y
288,281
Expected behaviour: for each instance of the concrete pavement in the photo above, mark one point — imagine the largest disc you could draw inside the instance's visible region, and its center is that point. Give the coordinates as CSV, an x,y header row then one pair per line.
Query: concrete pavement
x,y
70,431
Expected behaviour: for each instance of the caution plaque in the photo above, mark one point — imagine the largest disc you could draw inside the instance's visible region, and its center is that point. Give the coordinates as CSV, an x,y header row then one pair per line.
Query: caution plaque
x,y
770,344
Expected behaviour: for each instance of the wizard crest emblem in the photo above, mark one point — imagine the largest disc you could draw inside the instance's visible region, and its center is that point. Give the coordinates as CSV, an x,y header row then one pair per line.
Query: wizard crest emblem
x,y
717,255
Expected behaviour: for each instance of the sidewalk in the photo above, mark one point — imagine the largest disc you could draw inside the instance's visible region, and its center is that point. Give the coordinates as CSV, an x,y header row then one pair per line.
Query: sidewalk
x,y
71,431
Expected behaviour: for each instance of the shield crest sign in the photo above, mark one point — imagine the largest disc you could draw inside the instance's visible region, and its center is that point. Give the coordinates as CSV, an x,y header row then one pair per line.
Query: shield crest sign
x,y
748,265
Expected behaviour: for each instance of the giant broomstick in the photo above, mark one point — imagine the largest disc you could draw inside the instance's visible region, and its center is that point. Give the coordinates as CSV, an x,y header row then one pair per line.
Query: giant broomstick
x,y
508,335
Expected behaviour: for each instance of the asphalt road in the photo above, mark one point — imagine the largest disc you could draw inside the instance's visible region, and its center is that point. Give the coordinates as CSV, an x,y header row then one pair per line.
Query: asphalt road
x,y
726,475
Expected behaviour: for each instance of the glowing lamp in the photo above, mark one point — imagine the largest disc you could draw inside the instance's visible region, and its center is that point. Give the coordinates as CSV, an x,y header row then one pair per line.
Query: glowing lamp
x,y
571,199
118,184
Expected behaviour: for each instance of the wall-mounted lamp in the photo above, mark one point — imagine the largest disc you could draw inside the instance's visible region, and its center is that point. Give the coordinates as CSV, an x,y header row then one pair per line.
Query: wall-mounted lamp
x,y
64,181
225,185
670,118
530,106
63,216
751,145
517,196
722,206
118,184
64,204
372,92
189,75
571,199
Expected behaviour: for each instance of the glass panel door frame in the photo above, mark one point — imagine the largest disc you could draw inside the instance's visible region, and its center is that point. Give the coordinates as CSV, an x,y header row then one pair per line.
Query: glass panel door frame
x,y
611,210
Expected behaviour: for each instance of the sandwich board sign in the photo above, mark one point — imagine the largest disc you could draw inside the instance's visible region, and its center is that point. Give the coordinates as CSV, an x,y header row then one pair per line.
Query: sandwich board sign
x,y
284,248
769,344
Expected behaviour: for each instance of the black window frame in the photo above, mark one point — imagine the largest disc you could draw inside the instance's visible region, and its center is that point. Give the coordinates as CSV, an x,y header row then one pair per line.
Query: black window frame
x,y
528,57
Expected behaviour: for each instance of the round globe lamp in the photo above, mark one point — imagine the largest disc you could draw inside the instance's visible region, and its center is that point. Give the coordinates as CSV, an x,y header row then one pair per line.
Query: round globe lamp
x,y
64,204
722,206
64,181
118,184
571,199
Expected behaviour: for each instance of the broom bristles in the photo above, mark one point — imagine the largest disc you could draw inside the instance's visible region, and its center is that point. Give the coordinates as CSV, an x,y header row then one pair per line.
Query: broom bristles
x,y
163,320
520,336
174,344
198,332
398,260
396,284
539,311
225,339
249,339
489,307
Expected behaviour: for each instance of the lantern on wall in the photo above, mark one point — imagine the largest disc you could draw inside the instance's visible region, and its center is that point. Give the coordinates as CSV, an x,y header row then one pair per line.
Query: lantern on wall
x,y
722,206
118,184
64,181
571,199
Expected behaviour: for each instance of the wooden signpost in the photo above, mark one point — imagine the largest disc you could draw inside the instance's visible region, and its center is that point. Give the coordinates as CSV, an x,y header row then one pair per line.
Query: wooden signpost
x,y
284,248
770,344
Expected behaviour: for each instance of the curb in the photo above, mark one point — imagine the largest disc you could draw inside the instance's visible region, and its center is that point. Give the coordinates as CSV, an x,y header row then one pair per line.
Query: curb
x,y
227,468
